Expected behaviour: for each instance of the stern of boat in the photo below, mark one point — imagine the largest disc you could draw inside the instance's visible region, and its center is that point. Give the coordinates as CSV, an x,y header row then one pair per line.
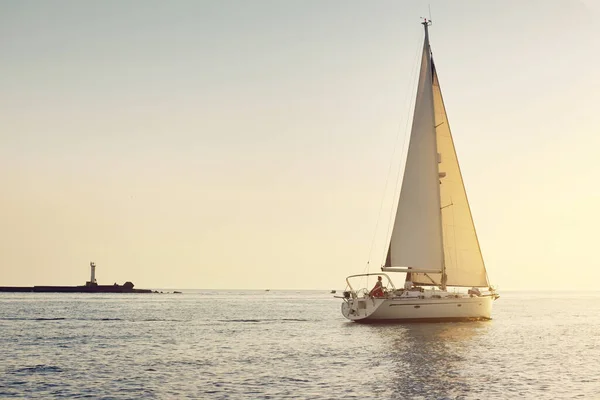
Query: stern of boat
x,y
360,308
359,304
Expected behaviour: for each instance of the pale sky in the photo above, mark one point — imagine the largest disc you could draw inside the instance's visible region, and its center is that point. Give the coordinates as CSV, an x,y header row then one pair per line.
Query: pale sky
x,y
246,144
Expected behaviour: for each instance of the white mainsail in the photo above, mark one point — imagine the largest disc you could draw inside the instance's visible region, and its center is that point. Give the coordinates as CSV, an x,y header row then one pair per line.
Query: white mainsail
x,y
434,229
416,240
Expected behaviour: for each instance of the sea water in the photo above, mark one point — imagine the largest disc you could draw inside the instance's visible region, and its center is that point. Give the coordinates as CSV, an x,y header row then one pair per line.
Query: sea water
x,y
291,345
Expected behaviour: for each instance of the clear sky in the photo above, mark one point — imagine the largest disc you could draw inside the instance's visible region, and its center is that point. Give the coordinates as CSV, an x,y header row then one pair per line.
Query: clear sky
x,y
246,144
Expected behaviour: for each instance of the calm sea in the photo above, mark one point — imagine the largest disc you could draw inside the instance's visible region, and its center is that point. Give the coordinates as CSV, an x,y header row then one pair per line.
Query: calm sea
x,y
291,345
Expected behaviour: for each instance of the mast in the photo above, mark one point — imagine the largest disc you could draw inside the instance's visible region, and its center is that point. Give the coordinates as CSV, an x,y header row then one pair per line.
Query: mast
x,y
426,24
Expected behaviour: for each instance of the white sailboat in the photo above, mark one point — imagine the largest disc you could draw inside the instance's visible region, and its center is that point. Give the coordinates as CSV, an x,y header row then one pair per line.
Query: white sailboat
x,y
433,238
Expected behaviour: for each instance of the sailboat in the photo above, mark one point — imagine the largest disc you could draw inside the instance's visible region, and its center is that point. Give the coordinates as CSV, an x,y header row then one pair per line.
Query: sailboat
x,y
433,241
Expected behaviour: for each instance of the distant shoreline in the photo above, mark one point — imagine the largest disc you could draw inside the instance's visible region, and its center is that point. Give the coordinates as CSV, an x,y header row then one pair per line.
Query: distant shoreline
x,y
126,288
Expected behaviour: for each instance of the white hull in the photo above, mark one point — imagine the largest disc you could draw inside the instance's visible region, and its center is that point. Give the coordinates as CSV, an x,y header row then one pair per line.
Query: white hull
x,y
423,308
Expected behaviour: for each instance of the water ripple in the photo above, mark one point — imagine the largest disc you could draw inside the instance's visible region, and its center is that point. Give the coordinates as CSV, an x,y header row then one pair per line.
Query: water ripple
x,y
291,346
37,369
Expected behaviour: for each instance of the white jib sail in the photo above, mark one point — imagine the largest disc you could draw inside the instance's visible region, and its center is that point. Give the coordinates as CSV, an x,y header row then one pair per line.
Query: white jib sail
x,y
462,256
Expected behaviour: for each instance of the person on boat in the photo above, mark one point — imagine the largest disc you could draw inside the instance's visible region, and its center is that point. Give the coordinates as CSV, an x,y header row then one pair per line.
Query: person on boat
x,y
377,291
408,282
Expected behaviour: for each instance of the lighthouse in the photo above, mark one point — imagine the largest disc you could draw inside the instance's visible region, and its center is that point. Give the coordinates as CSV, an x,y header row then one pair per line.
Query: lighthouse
x,y
92,273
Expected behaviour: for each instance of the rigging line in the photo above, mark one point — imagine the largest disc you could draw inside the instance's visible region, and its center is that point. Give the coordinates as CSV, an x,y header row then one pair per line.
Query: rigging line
x,y
412,93
391,163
